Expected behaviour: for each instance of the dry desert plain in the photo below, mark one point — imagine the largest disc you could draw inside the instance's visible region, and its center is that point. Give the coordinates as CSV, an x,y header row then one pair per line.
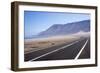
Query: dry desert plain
x,y
31,45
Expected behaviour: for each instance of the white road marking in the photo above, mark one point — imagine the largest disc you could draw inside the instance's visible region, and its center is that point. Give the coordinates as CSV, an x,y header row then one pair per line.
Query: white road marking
x,y
81,50
54,51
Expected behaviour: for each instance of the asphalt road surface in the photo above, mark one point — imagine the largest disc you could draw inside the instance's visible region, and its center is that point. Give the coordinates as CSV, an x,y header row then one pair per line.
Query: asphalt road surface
x,y
79,49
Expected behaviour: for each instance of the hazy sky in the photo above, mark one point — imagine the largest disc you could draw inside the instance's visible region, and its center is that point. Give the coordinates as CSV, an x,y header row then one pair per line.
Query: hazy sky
x,y
35,22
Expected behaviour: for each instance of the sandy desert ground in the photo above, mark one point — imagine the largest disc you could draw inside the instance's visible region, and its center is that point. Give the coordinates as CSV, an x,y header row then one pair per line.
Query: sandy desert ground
x,y
39,44
43,43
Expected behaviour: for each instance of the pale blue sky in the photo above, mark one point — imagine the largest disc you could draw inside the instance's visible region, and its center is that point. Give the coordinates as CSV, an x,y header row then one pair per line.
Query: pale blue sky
x,y
35,22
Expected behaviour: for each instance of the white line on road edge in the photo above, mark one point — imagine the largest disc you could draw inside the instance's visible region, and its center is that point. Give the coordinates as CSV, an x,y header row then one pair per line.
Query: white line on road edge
x,y
81,50
54,51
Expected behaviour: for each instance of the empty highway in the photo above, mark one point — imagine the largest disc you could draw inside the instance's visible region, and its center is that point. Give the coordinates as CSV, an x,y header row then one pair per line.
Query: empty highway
x,y
78,49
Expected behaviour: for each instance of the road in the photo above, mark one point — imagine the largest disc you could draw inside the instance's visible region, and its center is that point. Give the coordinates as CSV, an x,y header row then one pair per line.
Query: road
x,y
79,49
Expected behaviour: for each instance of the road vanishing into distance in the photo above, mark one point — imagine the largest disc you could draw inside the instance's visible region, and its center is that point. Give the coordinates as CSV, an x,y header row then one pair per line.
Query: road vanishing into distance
x,y
79,49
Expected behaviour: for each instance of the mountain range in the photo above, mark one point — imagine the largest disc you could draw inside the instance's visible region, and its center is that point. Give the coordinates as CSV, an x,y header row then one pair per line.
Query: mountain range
x,y
65,29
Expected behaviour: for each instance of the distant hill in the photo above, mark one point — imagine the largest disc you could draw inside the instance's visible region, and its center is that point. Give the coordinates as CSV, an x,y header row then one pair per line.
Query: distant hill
x,y
65,29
